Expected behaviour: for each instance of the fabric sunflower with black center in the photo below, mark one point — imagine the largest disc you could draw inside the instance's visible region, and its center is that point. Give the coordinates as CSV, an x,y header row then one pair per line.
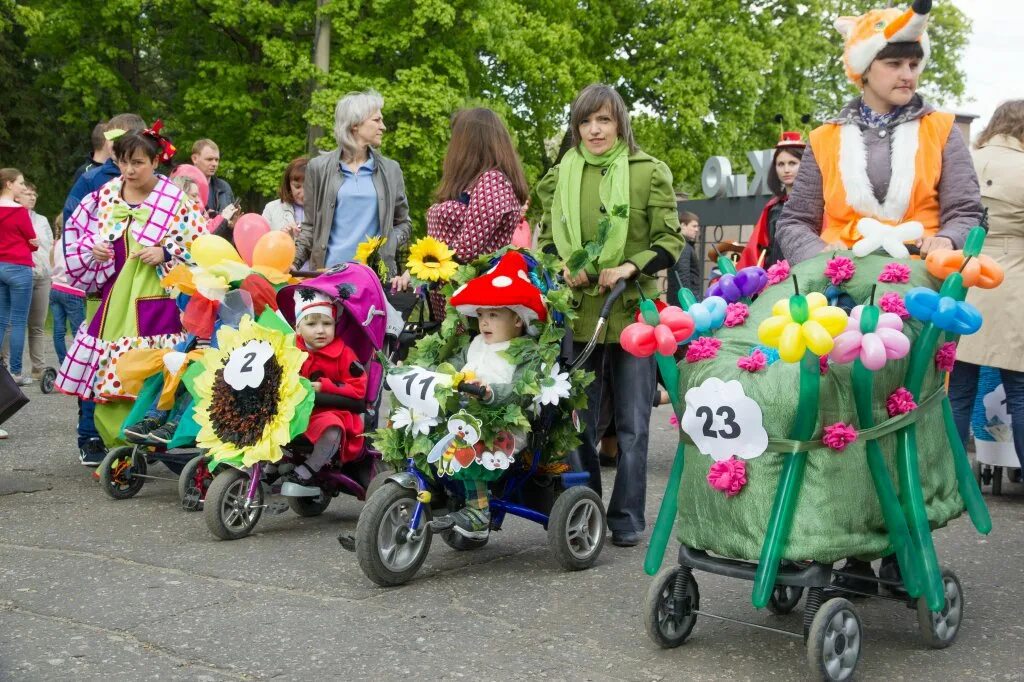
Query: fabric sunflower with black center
x,y
251,424
540,378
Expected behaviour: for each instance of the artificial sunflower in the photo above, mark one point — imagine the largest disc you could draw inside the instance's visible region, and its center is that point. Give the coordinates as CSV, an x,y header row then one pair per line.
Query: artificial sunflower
x,y
431,260
368,247
251,424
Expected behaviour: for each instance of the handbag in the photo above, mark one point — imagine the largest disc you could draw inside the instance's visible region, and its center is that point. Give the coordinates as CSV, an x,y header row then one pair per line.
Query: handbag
x,y
12,398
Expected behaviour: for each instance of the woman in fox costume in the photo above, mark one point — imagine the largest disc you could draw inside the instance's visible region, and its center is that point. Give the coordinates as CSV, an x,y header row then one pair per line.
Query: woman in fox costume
x,y
888,165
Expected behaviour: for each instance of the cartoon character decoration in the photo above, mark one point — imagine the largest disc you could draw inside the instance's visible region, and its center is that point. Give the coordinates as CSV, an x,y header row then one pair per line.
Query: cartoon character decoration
x,y
502,453
457,450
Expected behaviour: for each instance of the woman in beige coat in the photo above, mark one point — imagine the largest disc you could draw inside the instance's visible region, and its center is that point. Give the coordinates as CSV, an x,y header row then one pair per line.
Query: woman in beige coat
x,y
999,161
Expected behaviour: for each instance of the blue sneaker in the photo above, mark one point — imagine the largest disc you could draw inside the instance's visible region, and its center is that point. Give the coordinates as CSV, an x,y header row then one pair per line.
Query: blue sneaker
x,y
92,453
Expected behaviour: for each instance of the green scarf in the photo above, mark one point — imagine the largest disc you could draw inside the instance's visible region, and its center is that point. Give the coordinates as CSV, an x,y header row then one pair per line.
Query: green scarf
x,y
614,193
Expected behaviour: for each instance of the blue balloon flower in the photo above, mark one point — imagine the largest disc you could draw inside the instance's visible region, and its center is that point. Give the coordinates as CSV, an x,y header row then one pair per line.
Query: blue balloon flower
x,y
945,312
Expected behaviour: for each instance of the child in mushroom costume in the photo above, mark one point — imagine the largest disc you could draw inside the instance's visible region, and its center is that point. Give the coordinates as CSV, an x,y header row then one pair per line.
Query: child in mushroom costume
x,y
505,303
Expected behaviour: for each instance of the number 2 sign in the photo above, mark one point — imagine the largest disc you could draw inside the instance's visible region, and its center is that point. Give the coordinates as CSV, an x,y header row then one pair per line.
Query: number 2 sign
x,y
244,368
414,389
723,421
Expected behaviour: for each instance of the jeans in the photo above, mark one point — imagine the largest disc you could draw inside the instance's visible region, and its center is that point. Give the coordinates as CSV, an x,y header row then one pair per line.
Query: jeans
x,y
86,422
68,311
963,388
634,382
15,299
36,322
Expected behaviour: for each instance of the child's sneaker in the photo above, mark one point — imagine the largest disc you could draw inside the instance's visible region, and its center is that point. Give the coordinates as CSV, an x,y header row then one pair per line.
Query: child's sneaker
x,y
472,523
163,433
139,431
91,454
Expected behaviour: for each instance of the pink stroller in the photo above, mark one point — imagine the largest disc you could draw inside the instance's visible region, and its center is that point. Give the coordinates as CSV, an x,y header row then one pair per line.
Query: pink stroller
x,y
367,323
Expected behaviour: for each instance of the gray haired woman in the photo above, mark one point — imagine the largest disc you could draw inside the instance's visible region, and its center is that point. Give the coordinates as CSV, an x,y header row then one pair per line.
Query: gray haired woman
x,y
353,192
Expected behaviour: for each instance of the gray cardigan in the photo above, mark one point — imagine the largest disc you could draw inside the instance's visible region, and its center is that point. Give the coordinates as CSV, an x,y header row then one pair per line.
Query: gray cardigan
x,y
323,179
959,198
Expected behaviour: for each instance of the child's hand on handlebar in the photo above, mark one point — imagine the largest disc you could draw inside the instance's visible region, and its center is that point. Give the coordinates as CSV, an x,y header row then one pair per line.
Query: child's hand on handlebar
x,y
315,385
610,276
575,281
486,389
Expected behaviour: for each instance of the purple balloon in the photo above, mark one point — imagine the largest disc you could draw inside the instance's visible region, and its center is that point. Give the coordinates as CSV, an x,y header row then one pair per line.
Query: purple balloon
x,y
744,284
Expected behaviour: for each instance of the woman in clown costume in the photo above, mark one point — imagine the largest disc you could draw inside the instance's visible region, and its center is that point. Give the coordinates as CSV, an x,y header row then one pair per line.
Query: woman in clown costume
x,y
119,242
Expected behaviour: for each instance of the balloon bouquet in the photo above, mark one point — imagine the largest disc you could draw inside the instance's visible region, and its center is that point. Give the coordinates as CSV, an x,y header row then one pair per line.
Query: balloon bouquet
x,y
826,483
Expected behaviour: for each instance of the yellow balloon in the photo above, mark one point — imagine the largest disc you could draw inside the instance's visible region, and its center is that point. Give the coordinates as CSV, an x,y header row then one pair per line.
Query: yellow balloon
x,y
791,343
209,250
815,300
781,307
817,337
771,329
831,318
274,250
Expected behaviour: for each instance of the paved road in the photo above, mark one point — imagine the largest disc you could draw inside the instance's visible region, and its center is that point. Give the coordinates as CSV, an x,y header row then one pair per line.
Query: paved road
x,y
96,589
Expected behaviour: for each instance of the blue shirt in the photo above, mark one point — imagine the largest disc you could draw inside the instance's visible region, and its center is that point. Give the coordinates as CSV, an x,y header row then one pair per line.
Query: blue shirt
x,y
355,213
87,183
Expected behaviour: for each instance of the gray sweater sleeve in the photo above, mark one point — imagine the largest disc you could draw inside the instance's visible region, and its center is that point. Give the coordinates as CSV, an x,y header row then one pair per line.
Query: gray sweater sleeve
x,y
959,195
801,220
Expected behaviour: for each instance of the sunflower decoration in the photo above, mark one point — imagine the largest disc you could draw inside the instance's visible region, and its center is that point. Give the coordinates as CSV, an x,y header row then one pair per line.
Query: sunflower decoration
x,y
368,253
430,260
250,398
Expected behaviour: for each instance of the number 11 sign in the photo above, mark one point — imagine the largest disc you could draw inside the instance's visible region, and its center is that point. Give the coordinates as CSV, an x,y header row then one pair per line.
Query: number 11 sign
x,y
723,421
414,388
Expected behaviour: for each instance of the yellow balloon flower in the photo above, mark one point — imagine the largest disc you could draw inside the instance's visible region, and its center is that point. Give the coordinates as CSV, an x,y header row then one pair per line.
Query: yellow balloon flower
x,y
802,323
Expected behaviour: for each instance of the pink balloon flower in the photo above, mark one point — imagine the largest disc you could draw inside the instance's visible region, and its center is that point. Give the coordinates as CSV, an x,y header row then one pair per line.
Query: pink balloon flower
x,y
887,342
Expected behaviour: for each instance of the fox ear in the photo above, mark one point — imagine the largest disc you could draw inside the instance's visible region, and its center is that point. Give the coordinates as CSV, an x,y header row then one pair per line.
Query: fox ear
x,y
845,25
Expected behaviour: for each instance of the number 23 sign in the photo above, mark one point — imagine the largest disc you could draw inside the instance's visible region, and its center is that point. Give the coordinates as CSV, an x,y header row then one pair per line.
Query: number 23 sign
x,y
723,421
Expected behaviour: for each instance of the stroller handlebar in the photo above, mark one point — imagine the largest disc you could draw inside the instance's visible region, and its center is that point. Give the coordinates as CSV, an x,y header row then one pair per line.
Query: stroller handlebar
x,y
339,402
613,295
473,389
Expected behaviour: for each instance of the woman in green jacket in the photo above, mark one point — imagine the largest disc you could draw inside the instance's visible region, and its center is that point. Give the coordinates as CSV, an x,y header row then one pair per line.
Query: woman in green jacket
x,y
605,185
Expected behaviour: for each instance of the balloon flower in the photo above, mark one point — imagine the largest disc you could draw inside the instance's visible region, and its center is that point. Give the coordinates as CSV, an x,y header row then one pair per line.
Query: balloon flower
x,y
672,328
802,323
874,348
977,271
708,315
746,283
945,312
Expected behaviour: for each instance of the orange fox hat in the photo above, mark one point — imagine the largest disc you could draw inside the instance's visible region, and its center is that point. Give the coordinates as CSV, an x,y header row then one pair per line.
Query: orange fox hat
x,y
867,35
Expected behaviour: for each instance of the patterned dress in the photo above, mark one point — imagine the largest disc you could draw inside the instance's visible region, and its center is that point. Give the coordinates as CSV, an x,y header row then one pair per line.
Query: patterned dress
x,y
479,222
135,310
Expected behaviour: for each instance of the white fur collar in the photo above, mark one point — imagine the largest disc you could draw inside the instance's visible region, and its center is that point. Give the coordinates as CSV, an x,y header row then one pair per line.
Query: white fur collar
x,y
853,161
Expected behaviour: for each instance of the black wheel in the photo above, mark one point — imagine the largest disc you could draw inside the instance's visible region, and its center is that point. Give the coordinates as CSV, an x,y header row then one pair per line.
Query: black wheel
x,y
669,607
378,480
784,599
834,641
939,630
121,472
47,380
576,528
388,552
194,483
997,480
460,542
310,506
227,511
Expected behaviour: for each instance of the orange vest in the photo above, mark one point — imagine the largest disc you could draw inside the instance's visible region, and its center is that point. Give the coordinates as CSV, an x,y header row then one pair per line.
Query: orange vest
x,y
840,223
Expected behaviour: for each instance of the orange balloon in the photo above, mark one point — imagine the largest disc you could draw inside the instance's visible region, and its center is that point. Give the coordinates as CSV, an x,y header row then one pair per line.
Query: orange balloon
x,y
980,271
274,250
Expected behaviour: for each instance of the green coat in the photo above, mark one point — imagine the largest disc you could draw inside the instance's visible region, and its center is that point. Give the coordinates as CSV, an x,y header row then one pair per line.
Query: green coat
x,y
653,221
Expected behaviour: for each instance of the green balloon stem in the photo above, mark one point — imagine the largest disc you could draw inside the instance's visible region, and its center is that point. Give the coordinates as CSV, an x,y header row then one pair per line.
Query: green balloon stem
x,y
787,494
970,492
686,298
726,266
975,240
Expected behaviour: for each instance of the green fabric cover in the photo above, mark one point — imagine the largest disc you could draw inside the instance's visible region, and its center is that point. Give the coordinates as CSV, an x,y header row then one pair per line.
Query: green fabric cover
x,y
838,514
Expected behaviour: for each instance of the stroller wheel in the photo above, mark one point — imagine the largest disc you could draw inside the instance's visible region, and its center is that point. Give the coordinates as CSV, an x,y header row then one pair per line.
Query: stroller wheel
x,y
784,599
387,554
576,528
834,641
669,607
121,472
310,506
47,380
939,630
228,513
194,483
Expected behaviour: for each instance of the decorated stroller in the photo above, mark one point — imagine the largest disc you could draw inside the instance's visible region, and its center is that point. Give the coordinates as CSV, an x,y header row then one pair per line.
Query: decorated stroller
x,y
829,488
395,529
252,429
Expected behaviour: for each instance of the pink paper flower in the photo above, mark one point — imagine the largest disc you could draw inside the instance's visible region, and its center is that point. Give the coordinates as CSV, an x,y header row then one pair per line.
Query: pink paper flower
x,y
754,362
895,273
729,476
840,269
945,357
703,348
823,365
892,302
778,272
837,436
736,314
673,420
900,401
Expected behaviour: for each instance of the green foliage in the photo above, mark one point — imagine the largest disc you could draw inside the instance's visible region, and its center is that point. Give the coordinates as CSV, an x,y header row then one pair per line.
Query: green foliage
x,y
703,76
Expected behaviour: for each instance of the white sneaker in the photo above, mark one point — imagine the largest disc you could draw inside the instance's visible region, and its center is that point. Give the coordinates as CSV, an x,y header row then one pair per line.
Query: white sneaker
x,y
3,434
22,379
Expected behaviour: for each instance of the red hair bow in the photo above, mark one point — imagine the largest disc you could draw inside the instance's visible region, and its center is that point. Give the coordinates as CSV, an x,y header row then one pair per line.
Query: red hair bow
x,y
169,149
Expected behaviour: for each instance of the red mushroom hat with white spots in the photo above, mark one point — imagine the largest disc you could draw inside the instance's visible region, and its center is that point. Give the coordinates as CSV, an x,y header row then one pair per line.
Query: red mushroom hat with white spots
x,y
506,285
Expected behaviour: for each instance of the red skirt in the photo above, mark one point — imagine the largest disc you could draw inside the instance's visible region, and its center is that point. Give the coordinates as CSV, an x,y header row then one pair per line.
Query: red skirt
x,y
351,426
